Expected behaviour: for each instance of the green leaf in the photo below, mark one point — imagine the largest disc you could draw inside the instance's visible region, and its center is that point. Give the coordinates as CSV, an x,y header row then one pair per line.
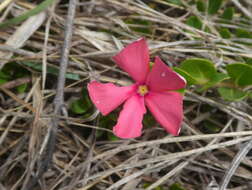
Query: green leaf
x,y
13,70
151,64
211,127
228,13
4,75
214,6
21,88
143,26
148,120
41,7
231,94
99,133
146,185
176,186
175,2
108,120
217,78
241,33
207,29
194,22
250,94
181,91
159,188
200,71
240,73
72,76
189,79
78,107
225,33
201,5
51,70
85,98
112,137
248,61
2,81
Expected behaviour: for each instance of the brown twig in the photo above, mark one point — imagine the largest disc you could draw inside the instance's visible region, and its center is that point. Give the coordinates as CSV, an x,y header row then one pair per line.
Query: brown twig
x,y
12,95
15,83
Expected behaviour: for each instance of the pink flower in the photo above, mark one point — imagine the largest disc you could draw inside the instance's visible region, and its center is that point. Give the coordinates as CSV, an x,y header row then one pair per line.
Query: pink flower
x,y
153,88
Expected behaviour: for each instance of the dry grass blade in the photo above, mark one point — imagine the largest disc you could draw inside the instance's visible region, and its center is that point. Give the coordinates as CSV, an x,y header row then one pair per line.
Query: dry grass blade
x,y
22,34
4,4
242,8
235,164
167,176
135,175
168,140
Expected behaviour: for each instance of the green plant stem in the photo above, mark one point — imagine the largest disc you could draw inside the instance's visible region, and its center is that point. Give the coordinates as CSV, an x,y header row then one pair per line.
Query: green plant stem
x,y
41,7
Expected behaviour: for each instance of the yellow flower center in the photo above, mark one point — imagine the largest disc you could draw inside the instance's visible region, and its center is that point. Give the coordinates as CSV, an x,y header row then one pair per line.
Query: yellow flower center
x,y
142,90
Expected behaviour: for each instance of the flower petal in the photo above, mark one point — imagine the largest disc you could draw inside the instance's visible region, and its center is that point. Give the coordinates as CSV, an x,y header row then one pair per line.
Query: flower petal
x,y
129,124
162,78
167,108
134,59
107,97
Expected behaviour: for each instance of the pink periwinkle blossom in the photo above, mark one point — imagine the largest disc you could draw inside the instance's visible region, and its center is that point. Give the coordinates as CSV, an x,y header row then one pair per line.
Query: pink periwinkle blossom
x,y
155,88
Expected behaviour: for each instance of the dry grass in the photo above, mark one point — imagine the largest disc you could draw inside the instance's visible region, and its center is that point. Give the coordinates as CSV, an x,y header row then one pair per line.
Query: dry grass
x,y
197,159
